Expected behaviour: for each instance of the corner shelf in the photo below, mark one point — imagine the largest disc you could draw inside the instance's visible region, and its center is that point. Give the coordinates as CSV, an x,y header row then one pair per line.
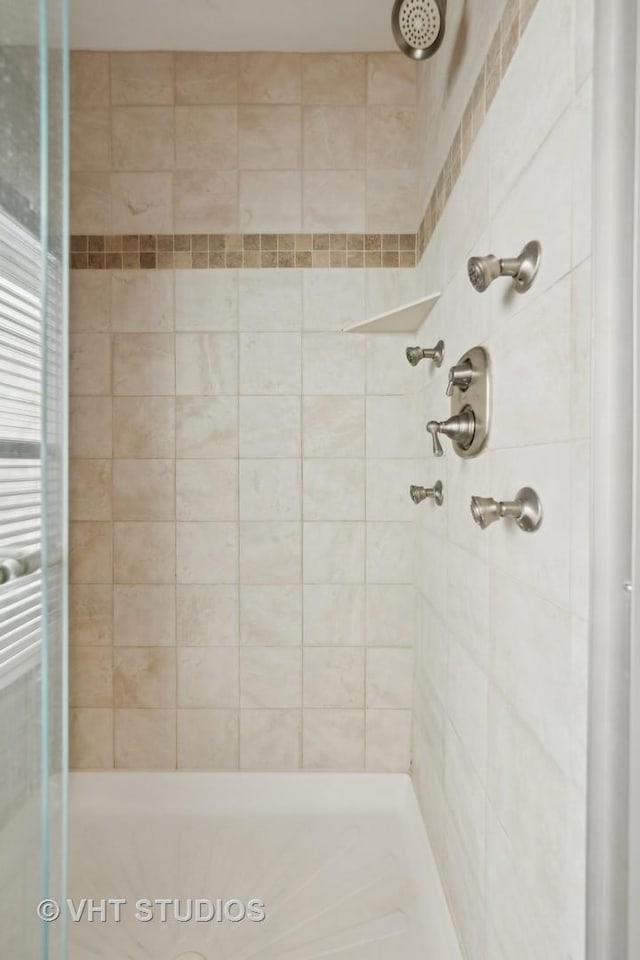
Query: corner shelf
x,y
405,319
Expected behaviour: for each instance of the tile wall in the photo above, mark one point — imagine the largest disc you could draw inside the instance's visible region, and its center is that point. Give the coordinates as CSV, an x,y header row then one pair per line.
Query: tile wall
x,y
241,573
208,143
499,731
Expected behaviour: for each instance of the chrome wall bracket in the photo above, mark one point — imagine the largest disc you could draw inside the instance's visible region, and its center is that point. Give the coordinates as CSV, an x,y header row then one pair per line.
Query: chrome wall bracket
x,y
526,510
435,493
416,354
470,392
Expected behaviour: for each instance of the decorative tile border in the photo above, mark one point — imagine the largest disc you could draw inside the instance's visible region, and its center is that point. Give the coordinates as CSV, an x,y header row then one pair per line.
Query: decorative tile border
x,y
202,251
506,39
320,250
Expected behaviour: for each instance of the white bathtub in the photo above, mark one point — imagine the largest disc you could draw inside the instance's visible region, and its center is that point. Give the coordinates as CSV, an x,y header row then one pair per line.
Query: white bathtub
x,y
341,862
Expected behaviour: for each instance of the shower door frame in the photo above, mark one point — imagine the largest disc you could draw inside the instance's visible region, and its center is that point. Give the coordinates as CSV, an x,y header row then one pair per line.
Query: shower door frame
x,y
613,861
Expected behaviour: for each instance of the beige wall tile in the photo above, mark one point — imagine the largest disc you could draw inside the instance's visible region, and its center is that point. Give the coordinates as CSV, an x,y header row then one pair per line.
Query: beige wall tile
x,y
144,616
143,138
334,552
334,138
270,553
333,426
334,615
90,614
392,79
90,364
333,364
334,490
207,552
206,427
270,300
90,553
389,607
89,301
144,552
143,427
269,137
206,364
333,78
144,677
143,364
90,139
145,739
270,677
270,490
270,426
390,138
142,301
270,616
270,739
333,739
206,77
90,677
90,427
347,209
206,300
141,78
144,490
269,364
270,202
205,202
90,490
89,79
142,203
207,616
208,677
91,206
269,78
91,738
207,489
206,138
390,678
207,739
333,299
392,201
334,677
388,740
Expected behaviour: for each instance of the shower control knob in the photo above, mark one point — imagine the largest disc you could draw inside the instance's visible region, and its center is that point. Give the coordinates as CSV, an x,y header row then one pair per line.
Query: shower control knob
x,y
460,377
435,493
461,429
416,354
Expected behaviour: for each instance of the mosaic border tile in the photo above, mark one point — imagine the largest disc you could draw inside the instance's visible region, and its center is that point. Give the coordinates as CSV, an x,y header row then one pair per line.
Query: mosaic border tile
x,y
200,251
320,250
504,44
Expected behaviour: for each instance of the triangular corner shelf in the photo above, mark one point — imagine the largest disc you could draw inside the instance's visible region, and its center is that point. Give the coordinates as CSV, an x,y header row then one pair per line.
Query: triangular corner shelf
x,y
406,319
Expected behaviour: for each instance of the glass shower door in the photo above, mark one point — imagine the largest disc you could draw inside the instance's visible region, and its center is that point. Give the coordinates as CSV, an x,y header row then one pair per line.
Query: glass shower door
x,y
33,519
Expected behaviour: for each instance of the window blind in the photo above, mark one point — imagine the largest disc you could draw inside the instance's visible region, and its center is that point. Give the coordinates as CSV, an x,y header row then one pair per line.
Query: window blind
x,y
20,467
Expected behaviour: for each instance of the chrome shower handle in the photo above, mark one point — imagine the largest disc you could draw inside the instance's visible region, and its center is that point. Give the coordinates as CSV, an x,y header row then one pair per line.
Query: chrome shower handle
x,y
461,428
433,428
460,377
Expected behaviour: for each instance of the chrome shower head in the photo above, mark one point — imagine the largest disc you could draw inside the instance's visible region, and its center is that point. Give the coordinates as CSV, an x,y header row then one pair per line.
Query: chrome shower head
x,y
523,269
418,26
483,271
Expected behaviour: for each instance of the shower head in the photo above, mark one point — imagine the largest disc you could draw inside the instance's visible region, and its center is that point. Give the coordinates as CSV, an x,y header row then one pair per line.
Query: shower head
x,y
418,26
523,269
